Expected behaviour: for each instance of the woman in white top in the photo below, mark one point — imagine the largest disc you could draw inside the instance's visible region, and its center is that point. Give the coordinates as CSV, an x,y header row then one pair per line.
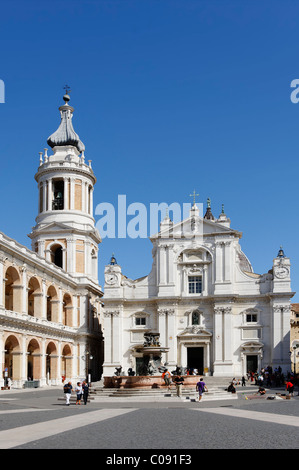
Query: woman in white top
x,y
79,392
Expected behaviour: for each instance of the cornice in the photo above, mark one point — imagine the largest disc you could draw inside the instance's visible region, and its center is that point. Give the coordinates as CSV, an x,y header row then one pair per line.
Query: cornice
x,y
63,167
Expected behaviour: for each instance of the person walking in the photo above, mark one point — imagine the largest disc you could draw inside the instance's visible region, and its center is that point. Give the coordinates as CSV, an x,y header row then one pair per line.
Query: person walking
x,y
179,380
290,388
67,388
78,391
85,390
201,388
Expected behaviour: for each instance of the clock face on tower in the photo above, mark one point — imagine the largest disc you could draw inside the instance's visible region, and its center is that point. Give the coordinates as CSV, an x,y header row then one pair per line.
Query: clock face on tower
x,y
111,279
281,272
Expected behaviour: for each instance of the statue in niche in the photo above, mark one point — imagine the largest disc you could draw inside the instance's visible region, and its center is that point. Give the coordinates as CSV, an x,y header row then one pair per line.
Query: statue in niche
x,y
151,339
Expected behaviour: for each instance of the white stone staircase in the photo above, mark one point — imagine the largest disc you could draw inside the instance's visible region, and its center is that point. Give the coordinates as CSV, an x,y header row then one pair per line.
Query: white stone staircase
x,y
216,391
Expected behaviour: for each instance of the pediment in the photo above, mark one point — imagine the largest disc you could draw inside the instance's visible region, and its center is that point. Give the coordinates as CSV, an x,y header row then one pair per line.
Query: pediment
x,y
58,227
195,330
53,227
251,346
193,227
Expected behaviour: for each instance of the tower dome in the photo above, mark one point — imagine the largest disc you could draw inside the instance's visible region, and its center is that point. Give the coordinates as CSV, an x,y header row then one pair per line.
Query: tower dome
x,y
65,134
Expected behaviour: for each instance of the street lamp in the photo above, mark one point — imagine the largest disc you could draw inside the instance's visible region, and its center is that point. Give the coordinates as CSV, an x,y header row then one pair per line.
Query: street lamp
x,y
88,357
294,348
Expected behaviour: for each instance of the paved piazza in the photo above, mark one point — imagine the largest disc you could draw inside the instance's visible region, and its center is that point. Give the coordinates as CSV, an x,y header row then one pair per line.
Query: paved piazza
x,y
39,419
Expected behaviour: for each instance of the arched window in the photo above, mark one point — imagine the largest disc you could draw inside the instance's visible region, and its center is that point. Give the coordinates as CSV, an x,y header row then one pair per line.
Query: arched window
x,y
67,318
57,255
12,295
33,288
52,306
58,195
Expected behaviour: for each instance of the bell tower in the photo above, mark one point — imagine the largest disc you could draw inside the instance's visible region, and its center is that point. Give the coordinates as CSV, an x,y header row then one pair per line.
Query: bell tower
x,y
65,232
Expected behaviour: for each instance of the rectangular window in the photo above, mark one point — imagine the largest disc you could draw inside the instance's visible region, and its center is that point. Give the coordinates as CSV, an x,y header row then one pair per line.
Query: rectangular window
x,y
140,321
251,318
195,284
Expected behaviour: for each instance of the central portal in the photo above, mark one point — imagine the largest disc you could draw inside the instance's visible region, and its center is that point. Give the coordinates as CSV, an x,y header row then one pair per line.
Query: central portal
x,y
195,359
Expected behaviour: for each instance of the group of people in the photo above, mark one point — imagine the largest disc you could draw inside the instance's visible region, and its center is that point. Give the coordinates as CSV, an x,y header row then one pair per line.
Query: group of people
x,y
81,390
178,380
269,377
265,378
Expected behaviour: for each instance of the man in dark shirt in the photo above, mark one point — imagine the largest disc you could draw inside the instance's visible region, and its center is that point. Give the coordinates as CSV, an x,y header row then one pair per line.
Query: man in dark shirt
x,y
68,392
178,380
85,389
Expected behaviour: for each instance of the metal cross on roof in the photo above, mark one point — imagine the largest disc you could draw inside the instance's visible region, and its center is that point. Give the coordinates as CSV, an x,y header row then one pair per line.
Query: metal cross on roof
x,y
194,196
67,89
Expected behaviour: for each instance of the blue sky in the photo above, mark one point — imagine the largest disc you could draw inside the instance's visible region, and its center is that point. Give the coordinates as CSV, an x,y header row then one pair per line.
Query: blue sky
x,y
169,96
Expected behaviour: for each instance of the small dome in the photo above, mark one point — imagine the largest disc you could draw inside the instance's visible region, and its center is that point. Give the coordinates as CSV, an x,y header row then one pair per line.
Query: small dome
x,y
65,134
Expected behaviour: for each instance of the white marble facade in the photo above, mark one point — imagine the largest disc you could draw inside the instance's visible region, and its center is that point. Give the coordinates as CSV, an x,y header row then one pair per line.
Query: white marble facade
x,y
211,310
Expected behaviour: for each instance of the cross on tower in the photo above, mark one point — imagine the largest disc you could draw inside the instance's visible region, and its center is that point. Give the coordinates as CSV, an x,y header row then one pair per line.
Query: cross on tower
x,y
193,195
67,89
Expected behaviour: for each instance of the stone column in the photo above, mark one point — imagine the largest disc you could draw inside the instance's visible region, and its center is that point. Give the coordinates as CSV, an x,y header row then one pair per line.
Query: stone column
x,y
44,301
108,337
59,374
227,262
44,208
70,255
72,194
162,265
18,297
60,305
24,358
38,304
50,194
170,265
91,202
41,248
2,284
116,337
171,339
2,354
280,336
227,330
162,328
43,358
25,290
205,279
223,341
218,338
219,262
66,193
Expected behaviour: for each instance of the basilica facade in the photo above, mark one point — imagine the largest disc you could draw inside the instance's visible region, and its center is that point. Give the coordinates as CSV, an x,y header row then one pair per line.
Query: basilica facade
x,y
201,307
50,298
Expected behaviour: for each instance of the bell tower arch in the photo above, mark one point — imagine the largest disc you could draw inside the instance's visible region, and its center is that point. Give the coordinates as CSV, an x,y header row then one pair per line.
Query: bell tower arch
x,y
65,232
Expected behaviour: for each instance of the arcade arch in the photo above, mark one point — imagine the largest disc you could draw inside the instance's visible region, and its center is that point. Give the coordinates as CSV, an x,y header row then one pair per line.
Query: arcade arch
x,y
12,289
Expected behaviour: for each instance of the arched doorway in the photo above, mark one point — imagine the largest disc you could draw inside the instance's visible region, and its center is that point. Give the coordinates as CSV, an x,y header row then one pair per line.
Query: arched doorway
x,y
33,360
